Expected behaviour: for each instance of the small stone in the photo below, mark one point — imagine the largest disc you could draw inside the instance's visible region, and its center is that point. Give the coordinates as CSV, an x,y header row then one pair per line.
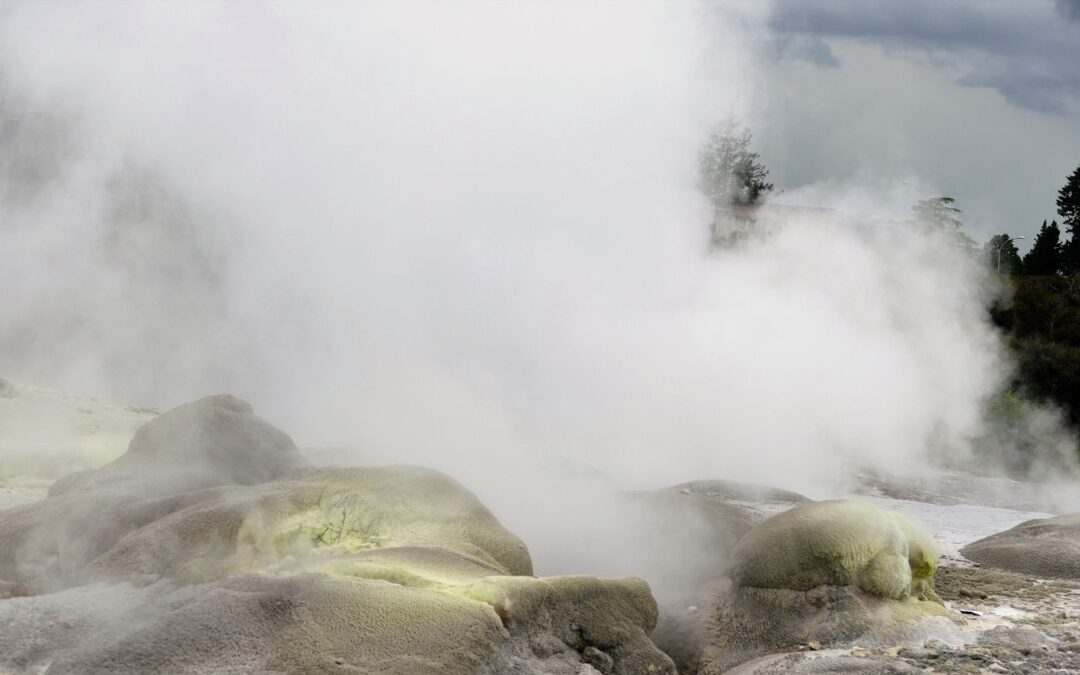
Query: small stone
x,y
813,645
598,659
997,668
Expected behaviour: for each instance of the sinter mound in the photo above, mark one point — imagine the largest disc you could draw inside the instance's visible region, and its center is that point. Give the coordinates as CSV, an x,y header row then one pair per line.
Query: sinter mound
x,y
828,572
1048,548
211,545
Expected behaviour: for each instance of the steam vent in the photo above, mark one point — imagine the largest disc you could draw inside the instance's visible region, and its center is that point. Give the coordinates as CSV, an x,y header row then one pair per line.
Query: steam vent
x,y
556,337
212,545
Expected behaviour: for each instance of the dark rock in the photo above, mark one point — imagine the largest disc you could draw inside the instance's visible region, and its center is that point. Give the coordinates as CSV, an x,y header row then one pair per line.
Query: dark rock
x,y
1047,548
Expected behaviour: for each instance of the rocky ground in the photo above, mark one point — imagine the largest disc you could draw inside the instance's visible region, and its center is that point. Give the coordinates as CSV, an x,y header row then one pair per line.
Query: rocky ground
x,y
1001,621
212,544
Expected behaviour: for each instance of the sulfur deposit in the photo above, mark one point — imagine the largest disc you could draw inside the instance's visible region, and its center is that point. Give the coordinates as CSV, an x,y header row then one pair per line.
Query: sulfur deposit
x,y
827,573
212,545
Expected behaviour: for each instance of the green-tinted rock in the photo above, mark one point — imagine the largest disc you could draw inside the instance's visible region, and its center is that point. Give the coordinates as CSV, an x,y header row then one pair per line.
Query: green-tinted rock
x,y
222,562
317,513
828,572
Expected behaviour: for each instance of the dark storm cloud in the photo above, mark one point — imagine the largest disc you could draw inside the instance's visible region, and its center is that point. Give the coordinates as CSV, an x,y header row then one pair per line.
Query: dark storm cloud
x,y
1070,9
1024,50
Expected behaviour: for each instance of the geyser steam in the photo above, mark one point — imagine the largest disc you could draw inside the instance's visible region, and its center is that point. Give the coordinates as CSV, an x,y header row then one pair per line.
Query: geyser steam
x,y
466,236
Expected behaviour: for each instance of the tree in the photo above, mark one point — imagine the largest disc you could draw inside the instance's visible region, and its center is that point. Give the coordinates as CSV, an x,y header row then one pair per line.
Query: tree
x,y
1068,204
1002,256
1068,201
938,211
1044,258
729,172
940,215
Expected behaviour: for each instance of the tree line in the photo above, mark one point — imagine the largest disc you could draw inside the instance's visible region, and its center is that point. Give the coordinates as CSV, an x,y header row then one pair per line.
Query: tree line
x,y
1038,309
1050,254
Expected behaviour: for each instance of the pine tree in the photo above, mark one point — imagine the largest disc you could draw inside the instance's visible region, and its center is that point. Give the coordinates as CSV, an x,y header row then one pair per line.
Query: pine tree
x,y
939,211
1068,204
1044,258
729,173
1068,201
1002,256
940,215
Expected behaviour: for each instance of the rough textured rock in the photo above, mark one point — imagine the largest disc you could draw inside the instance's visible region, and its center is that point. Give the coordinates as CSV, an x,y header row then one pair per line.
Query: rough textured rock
x,y
782,664
48,545
607,621
217,440
703,520
318,518
828,572
301,623
835,543
209,547
1048,548
1021,639
325,623
170,464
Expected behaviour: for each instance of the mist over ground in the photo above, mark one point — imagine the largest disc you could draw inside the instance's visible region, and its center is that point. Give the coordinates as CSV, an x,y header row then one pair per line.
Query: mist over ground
x,y
467,236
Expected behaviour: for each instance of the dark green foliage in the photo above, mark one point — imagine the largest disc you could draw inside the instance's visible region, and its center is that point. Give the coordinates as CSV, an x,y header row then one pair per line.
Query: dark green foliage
x,y
1002,256
1047,307
1070,255
1068,201
1043,321
1068,205
1044,258
729,172
1050,371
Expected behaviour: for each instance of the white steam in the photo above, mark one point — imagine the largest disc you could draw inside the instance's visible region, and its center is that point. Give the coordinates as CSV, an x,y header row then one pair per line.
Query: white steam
x,y
464,235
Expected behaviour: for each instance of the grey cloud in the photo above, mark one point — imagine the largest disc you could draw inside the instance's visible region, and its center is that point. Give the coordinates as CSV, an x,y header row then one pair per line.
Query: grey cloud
x,y
805,48
1070,9
1022,50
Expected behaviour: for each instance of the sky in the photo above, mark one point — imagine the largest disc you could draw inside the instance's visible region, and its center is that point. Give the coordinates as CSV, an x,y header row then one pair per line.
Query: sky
x,y
975,99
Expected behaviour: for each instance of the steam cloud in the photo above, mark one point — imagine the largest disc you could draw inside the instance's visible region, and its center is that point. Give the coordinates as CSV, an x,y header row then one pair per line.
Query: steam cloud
x,y
462,235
